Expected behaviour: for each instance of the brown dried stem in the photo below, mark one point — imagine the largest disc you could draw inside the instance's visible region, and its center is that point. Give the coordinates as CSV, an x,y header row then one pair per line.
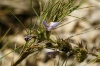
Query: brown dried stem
x,y
27,52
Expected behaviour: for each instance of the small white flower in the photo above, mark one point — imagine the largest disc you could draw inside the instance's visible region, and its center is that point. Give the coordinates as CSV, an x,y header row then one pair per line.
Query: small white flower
x,y
51,26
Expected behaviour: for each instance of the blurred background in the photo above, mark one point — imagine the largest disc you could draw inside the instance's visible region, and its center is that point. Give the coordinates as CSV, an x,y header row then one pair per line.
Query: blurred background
x,y
89,11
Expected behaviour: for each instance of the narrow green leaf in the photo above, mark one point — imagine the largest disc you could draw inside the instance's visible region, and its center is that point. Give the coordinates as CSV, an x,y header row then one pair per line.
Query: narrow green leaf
x,y
5,34
19,21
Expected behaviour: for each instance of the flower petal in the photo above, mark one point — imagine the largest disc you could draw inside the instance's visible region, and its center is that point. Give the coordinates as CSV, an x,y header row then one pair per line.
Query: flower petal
x,y
44,24
52,54
53,25
28,37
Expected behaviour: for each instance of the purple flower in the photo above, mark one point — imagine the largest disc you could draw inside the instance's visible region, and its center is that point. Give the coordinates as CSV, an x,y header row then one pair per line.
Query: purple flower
x,y
29,37
52,54
44,24
51,26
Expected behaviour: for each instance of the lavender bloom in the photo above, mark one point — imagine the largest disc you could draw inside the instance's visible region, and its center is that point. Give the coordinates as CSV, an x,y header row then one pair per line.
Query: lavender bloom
x,y
29,37
52,54
44,24
51,26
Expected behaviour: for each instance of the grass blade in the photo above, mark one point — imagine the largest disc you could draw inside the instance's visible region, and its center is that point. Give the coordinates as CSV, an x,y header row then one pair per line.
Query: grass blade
x,y
5,34
19,21
7,43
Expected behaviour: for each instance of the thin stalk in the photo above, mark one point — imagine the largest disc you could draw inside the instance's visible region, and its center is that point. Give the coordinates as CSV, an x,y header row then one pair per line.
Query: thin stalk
x,y
13,55
23,56
65,23
41,7
78,18
11,52
5,34
86,31
7,42
86,7
23,48
31,17
31,5
19,21
71,21
63,62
